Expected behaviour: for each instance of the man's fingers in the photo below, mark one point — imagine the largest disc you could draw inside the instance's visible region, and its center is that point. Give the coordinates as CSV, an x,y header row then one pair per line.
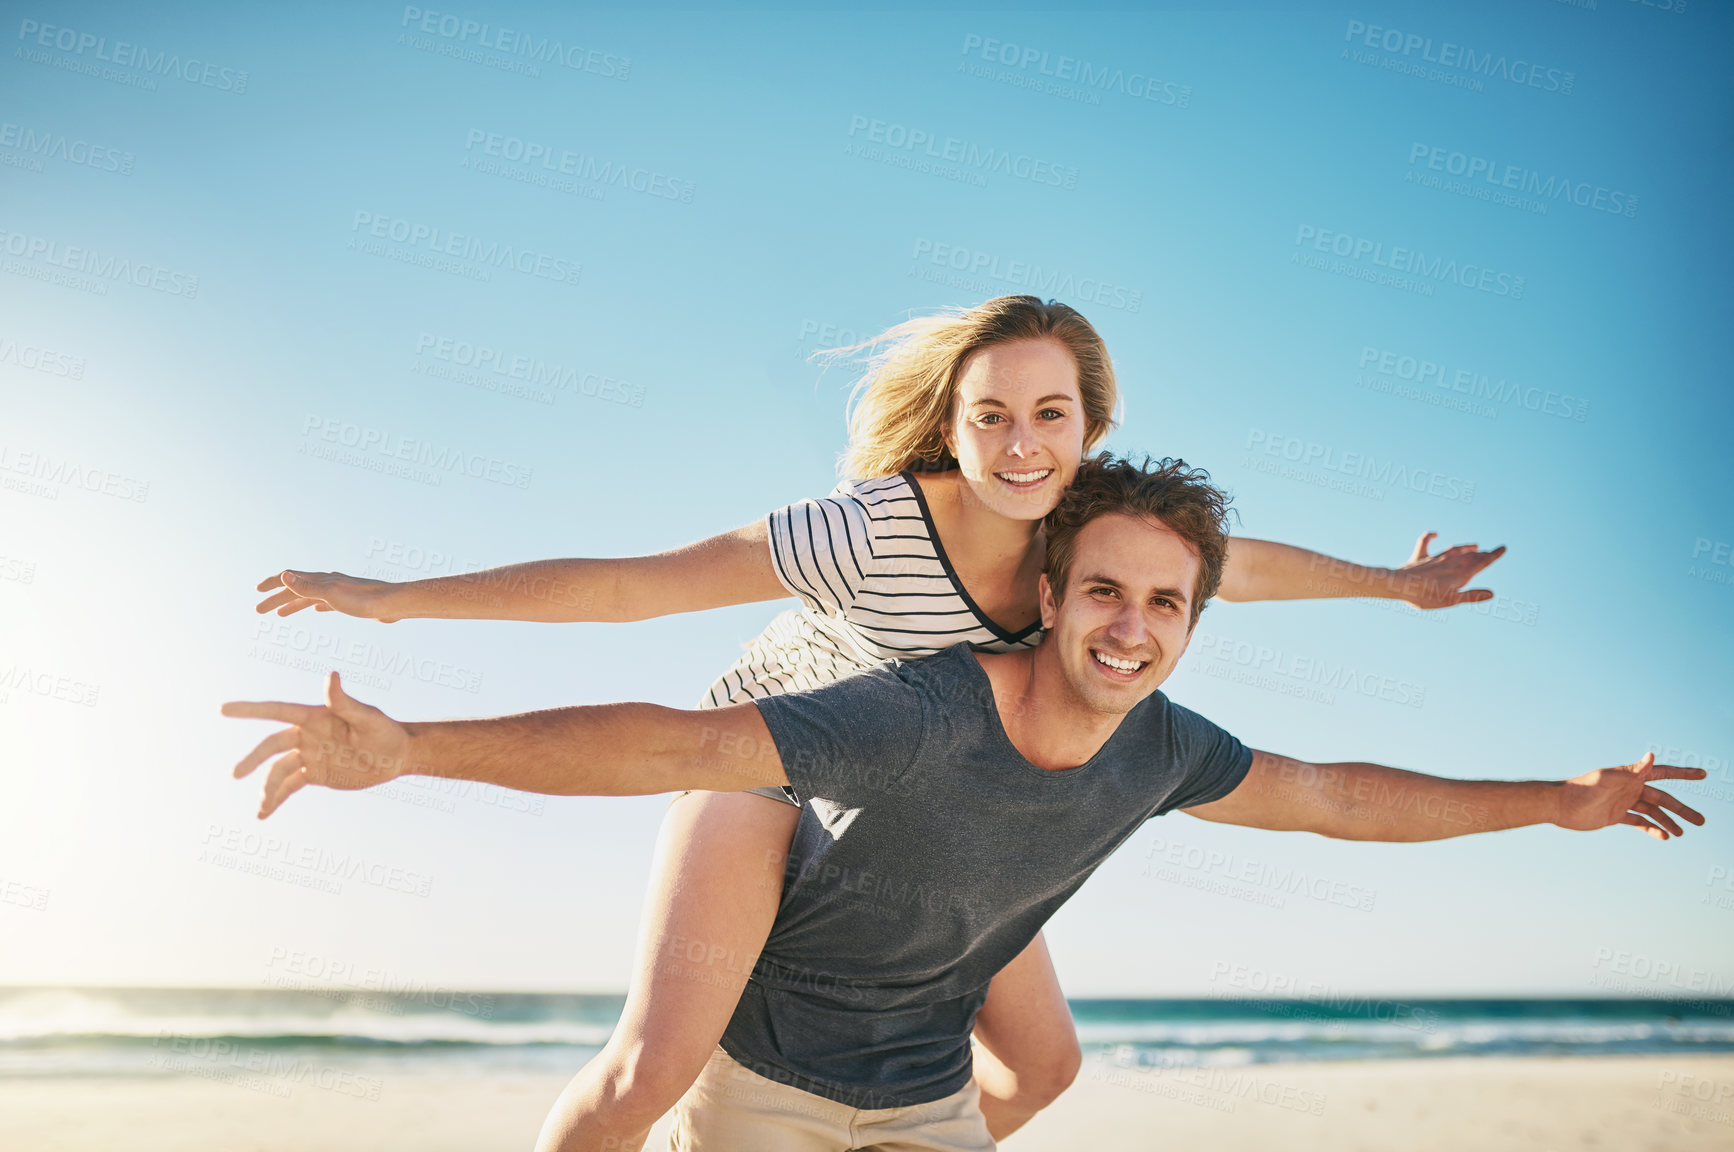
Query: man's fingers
x,y
1420,552
1661,798
1645,808
270,746
289,765
1472,596
1458,550
281,787
270,710
346,706
1637,821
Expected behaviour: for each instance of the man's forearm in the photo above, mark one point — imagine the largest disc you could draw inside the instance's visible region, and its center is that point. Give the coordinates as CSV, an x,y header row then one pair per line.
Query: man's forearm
x,y
1267,570
601,750
1360,801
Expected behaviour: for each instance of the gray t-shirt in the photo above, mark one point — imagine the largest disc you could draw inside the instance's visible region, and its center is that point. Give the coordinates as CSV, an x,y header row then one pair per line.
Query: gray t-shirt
x,y
928,855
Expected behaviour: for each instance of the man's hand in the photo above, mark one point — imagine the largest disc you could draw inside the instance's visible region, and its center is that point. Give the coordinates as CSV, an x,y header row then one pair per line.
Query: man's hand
x,y
1624,795
327,592
346,744
1434,581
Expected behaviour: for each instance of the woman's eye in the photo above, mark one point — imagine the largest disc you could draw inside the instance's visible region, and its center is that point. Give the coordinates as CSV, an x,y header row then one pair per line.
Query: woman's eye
x,y
1053,414
990,418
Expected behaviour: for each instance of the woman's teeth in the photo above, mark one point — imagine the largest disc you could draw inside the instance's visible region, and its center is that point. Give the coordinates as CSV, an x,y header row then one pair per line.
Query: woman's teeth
x,y
1117,664
1025,477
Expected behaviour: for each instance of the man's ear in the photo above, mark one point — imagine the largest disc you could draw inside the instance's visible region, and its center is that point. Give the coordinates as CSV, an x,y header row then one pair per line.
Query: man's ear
x,y
1050,608
1187,643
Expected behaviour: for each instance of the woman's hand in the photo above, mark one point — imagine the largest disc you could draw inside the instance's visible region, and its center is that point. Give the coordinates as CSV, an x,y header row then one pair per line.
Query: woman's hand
x,y
328,592
1435,581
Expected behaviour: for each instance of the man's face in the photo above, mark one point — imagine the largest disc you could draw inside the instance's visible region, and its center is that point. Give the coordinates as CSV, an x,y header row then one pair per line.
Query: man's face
x,y
1124,619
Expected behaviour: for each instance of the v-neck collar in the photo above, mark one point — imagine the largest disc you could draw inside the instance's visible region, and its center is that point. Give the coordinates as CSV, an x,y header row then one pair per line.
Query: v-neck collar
x,y
951,573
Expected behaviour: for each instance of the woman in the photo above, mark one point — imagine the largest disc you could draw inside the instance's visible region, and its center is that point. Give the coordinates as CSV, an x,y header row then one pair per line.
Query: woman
x,y
967,429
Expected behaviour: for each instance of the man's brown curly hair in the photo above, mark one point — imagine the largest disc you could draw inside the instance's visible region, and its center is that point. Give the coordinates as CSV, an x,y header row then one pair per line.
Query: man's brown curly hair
x,y
1180,497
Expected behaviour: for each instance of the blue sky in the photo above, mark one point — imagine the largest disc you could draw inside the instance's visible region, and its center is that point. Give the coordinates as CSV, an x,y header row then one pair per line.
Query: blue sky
x,y
1474,249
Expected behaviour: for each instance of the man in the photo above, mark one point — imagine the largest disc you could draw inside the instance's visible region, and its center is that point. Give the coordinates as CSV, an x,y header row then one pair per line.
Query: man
x,y
954,804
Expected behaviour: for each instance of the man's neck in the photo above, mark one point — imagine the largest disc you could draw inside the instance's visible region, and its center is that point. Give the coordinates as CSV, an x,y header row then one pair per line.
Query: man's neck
x,y
1043,717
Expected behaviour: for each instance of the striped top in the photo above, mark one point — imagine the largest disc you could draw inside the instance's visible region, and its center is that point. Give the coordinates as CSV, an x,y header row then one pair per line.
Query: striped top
x,y
874,583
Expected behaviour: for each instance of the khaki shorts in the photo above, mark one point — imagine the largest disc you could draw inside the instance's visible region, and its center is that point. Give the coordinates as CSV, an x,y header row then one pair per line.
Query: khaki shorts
x,y
733,1109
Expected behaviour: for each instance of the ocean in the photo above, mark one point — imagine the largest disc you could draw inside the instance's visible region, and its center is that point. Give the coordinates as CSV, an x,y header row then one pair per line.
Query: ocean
x,y
279,1035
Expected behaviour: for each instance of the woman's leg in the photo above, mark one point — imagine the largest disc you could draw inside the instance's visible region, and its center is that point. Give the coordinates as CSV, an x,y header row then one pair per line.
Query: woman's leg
x,y
714,889
1026,1044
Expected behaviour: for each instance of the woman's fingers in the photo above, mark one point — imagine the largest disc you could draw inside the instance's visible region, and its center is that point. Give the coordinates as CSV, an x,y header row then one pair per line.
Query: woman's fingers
x,y
1645,808
281,598
1637,821
1663,800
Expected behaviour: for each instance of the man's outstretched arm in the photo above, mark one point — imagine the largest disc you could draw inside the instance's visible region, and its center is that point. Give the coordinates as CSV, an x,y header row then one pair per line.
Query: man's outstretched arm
x,y
595,750
1354,801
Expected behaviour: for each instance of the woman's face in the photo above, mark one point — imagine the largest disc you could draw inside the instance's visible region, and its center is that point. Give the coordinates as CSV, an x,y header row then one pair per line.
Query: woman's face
x,y
1017,429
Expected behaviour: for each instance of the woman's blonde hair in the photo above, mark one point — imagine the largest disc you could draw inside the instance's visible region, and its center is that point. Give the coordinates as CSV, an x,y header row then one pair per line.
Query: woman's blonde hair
x,y
901,407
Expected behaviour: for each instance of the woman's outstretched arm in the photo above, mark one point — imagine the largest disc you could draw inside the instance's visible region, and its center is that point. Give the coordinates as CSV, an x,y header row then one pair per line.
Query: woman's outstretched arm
x,y
733,568
1266,570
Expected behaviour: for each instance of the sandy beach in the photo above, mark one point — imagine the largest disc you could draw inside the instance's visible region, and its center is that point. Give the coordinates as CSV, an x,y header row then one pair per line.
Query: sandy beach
x,y
1490,1105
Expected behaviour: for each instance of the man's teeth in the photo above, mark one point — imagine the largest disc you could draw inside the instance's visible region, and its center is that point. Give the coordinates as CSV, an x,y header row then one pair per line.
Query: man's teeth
x,y
1117,664
1026,477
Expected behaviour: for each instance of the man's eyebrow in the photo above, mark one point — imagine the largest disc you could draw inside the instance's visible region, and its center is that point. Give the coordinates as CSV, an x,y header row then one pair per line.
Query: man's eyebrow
x,y
1098,578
